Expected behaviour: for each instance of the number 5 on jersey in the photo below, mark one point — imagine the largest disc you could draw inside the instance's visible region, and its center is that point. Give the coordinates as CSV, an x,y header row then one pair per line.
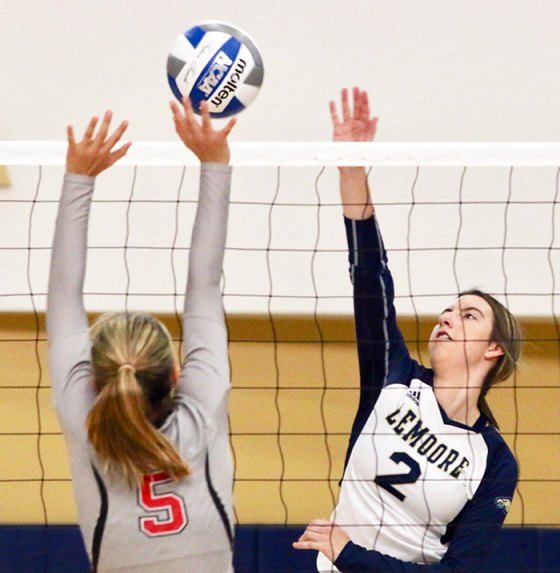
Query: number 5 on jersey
x,y
169,508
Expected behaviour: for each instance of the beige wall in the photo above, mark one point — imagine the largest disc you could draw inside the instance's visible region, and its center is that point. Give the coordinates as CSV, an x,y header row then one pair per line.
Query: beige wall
x,y
291,408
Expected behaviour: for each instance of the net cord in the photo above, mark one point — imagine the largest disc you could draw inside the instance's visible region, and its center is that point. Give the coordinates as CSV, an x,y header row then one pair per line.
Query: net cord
x,y
313,153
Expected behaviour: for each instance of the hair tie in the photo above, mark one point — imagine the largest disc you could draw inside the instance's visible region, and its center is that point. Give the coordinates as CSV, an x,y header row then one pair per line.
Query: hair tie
x,y
127,366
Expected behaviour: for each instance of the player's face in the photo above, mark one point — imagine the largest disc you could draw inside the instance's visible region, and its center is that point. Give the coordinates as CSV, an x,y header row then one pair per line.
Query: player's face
x,y
463,331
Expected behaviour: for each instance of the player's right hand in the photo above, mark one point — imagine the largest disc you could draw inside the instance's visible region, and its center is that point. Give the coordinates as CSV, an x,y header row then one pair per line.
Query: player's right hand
x,y
208,144
356,124
95,152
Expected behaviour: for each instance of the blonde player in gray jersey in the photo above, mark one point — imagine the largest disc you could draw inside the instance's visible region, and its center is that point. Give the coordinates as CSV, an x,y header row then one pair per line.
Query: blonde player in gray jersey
x,y
148,442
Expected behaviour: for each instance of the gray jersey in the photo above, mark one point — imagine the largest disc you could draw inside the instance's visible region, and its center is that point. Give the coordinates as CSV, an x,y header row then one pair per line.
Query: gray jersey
x,y
163,526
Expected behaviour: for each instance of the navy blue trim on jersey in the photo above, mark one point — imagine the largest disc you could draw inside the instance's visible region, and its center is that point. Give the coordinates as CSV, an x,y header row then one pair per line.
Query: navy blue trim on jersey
x,y
101,521
84,366
479,426
218,503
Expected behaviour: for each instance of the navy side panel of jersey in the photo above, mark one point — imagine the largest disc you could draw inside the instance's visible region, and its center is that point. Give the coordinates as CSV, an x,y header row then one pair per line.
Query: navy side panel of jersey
x,y
382,353
218,502
471,533
101,521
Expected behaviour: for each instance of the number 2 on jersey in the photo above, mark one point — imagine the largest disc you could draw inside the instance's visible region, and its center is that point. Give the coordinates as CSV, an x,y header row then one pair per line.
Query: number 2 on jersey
x,y
175,518
387,481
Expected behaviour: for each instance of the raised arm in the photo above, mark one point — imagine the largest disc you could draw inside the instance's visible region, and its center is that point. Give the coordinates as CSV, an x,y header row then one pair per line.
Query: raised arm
x,y
205,375
84,161
383,356
354,125
67,325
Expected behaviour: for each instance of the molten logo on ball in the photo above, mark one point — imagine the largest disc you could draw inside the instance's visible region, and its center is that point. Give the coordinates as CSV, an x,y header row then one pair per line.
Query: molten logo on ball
x,y
229,88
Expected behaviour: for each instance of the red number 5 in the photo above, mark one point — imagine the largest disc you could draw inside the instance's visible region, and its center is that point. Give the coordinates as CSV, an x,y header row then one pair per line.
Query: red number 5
x,y
172,514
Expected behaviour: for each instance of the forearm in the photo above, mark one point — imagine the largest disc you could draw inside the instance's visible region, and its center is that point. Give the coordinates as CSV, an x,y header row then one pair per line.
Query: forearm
x,y
356,559
354,193
65,309
203,296
205,374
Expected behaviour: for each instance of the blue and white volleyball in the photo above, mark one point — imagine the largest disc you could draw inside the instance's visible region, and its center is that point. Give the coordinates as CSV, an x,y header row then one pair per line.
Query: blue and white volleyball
x,y
218,63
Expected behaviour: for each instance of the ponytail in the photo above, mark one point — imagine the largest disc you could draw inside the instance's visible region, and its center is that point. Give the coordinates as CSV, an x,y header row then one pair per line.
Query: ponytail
x,y
126,442
484,408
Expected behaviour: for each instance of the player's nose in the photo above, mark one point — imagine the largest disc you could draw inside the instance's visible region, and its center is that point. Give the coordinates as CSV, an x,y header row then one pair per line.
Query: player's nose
x,y
446,320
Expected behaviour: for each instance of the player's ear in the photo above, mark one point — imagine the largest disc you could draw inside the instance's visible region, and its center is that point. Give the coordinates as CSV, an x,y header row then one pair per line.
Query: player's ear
x,y
494,351
175,375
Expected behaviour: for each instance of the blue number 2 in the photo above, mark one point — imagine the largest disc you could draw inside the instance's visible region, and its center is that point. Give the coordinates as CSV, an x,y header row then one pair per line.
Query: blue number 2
x,y
387,481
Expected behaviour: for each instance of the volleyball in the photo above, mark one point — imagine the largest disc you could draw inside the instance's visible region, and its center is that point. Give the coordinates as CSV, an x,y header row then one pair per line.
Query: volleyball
x,y
218,63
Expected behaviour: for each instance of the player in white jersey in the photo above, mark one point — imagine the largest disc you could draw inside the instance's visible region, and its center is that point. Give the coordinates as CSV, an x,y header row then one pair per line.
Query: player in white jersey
x,y
148,443
428,479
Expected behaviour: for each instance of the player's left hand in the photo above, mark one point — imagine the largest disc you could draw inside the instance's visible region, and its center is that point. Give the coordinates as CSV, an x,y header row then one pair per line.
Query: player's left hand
x,y
208,144
324,536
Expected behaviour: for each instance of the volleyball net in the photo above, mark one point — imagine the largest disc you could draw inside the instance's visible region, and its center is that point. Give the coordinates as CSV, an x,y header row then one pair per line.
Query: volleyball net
x,y
453,216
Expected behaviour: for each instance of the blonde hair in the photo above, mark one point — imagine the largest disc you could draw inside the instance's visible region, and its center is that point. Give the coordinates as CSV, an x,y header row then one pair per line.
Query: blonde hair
x,y
133,366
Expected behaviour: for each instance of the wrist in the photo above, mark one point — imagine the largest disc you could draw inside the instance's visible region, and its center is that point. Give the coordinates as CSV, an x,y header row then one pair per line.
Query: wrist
x,y
352,170
213,166
78,177
214,156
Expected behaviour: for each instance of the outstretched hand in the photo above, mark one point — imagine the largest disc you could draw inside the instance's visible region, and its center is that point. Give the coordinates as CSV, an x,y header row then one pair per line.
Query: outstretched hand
x,y
324,536
356,124
95,152
208,144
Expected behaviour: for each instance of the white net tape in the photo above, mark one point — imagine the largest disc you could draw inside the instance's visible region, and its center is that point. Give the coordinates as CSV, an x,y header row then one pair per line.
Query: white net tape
x,y
160,153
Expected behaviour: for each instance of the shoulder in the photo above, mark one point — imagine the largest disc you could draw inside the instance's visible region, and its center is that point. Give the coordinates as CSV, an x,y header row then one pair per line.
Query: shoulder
x,y
501,464
188,428
497,446
409,372
185,410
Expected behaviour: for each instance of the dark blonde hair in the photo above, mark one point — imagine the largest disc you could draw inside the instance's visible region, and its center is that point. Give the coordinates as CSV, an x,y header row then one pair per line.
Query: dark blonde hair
x,y
133,365
507,333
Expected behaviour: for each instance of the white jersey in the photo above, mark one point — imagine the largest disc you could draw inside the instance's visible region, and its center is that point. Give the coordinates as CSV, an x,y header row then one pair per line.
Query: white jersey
x,y
163,526
420,491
